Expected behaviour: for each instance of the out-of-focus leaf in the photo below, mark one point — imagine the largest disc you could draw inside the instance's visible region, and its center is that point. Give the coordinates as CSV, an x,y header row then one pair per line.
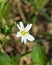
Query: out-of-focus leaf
x,y
38,55
4,59
1,7
14,62
50,62
41,3
4,8
47,35
28,64
34,19
5,28
32,1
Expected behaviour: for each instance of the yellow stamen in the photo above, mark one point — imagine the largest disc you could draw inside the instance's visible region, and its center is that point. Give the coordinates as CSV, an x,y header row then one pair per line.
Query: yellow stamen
x,y
23,33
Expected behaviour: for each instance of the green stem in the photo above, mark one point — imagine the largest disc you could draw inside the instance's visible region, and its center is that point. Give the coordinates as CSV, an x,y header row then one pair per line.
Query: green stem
x,y
22,55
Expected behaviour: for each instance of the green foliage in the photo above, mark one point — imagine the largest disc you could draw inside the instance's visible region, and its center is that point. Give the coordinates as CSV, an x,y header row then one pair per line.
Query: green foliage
x,y
49,62
34,19
5,28
40,3
4,59
4,8
38,55
14,61
47,35
32,1
28,64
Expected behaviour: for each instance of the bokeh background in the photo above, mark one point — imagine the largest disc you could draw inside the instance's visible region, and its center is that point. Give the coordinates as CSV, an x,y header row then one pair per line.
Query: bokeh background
x,y
41,18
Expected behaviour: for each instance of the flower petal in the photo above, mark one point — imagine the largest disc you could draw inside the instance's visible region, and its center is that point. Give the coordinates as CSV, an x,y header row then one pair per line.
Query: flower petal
x,y
30,37
23,39
18,34
18,26
28,27
21,25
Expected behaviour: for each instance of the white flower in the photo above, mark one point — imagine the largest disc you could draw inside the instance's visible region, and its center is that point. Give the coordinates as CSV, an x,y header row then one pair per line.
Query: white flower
x,y
24,32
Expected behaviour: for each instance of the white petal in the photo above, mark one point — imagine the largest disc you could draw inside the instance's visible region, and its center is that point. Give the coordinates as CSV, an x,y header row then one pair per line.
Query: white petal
x,y
18,34
28,27
18,26
30,37
21,25
23,39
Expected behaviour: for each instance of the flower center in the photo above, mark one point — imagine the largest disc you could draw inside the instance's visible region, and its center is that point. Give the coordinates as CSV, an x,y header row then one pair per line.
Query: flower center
x,y
23,32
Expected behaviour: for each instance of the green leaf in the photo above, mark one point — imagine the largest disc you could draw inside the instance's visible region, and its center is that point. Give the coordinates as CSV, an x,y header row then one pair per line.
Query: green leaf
x,y
1,7
14,61
4,59
50,62
5,28
41,3
38,55
32,1
34,19
4,9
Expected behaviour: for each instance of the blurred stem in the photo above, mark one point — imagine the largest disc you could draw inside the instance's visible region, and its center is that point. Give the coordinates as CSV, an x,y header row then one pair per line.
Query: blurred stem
x,y
20,11
22,55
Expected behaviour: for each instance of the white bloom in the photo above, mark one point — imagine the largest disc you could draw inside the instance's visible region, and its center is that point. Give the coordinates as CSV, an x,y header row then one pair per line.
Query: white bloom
x,y
24,32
